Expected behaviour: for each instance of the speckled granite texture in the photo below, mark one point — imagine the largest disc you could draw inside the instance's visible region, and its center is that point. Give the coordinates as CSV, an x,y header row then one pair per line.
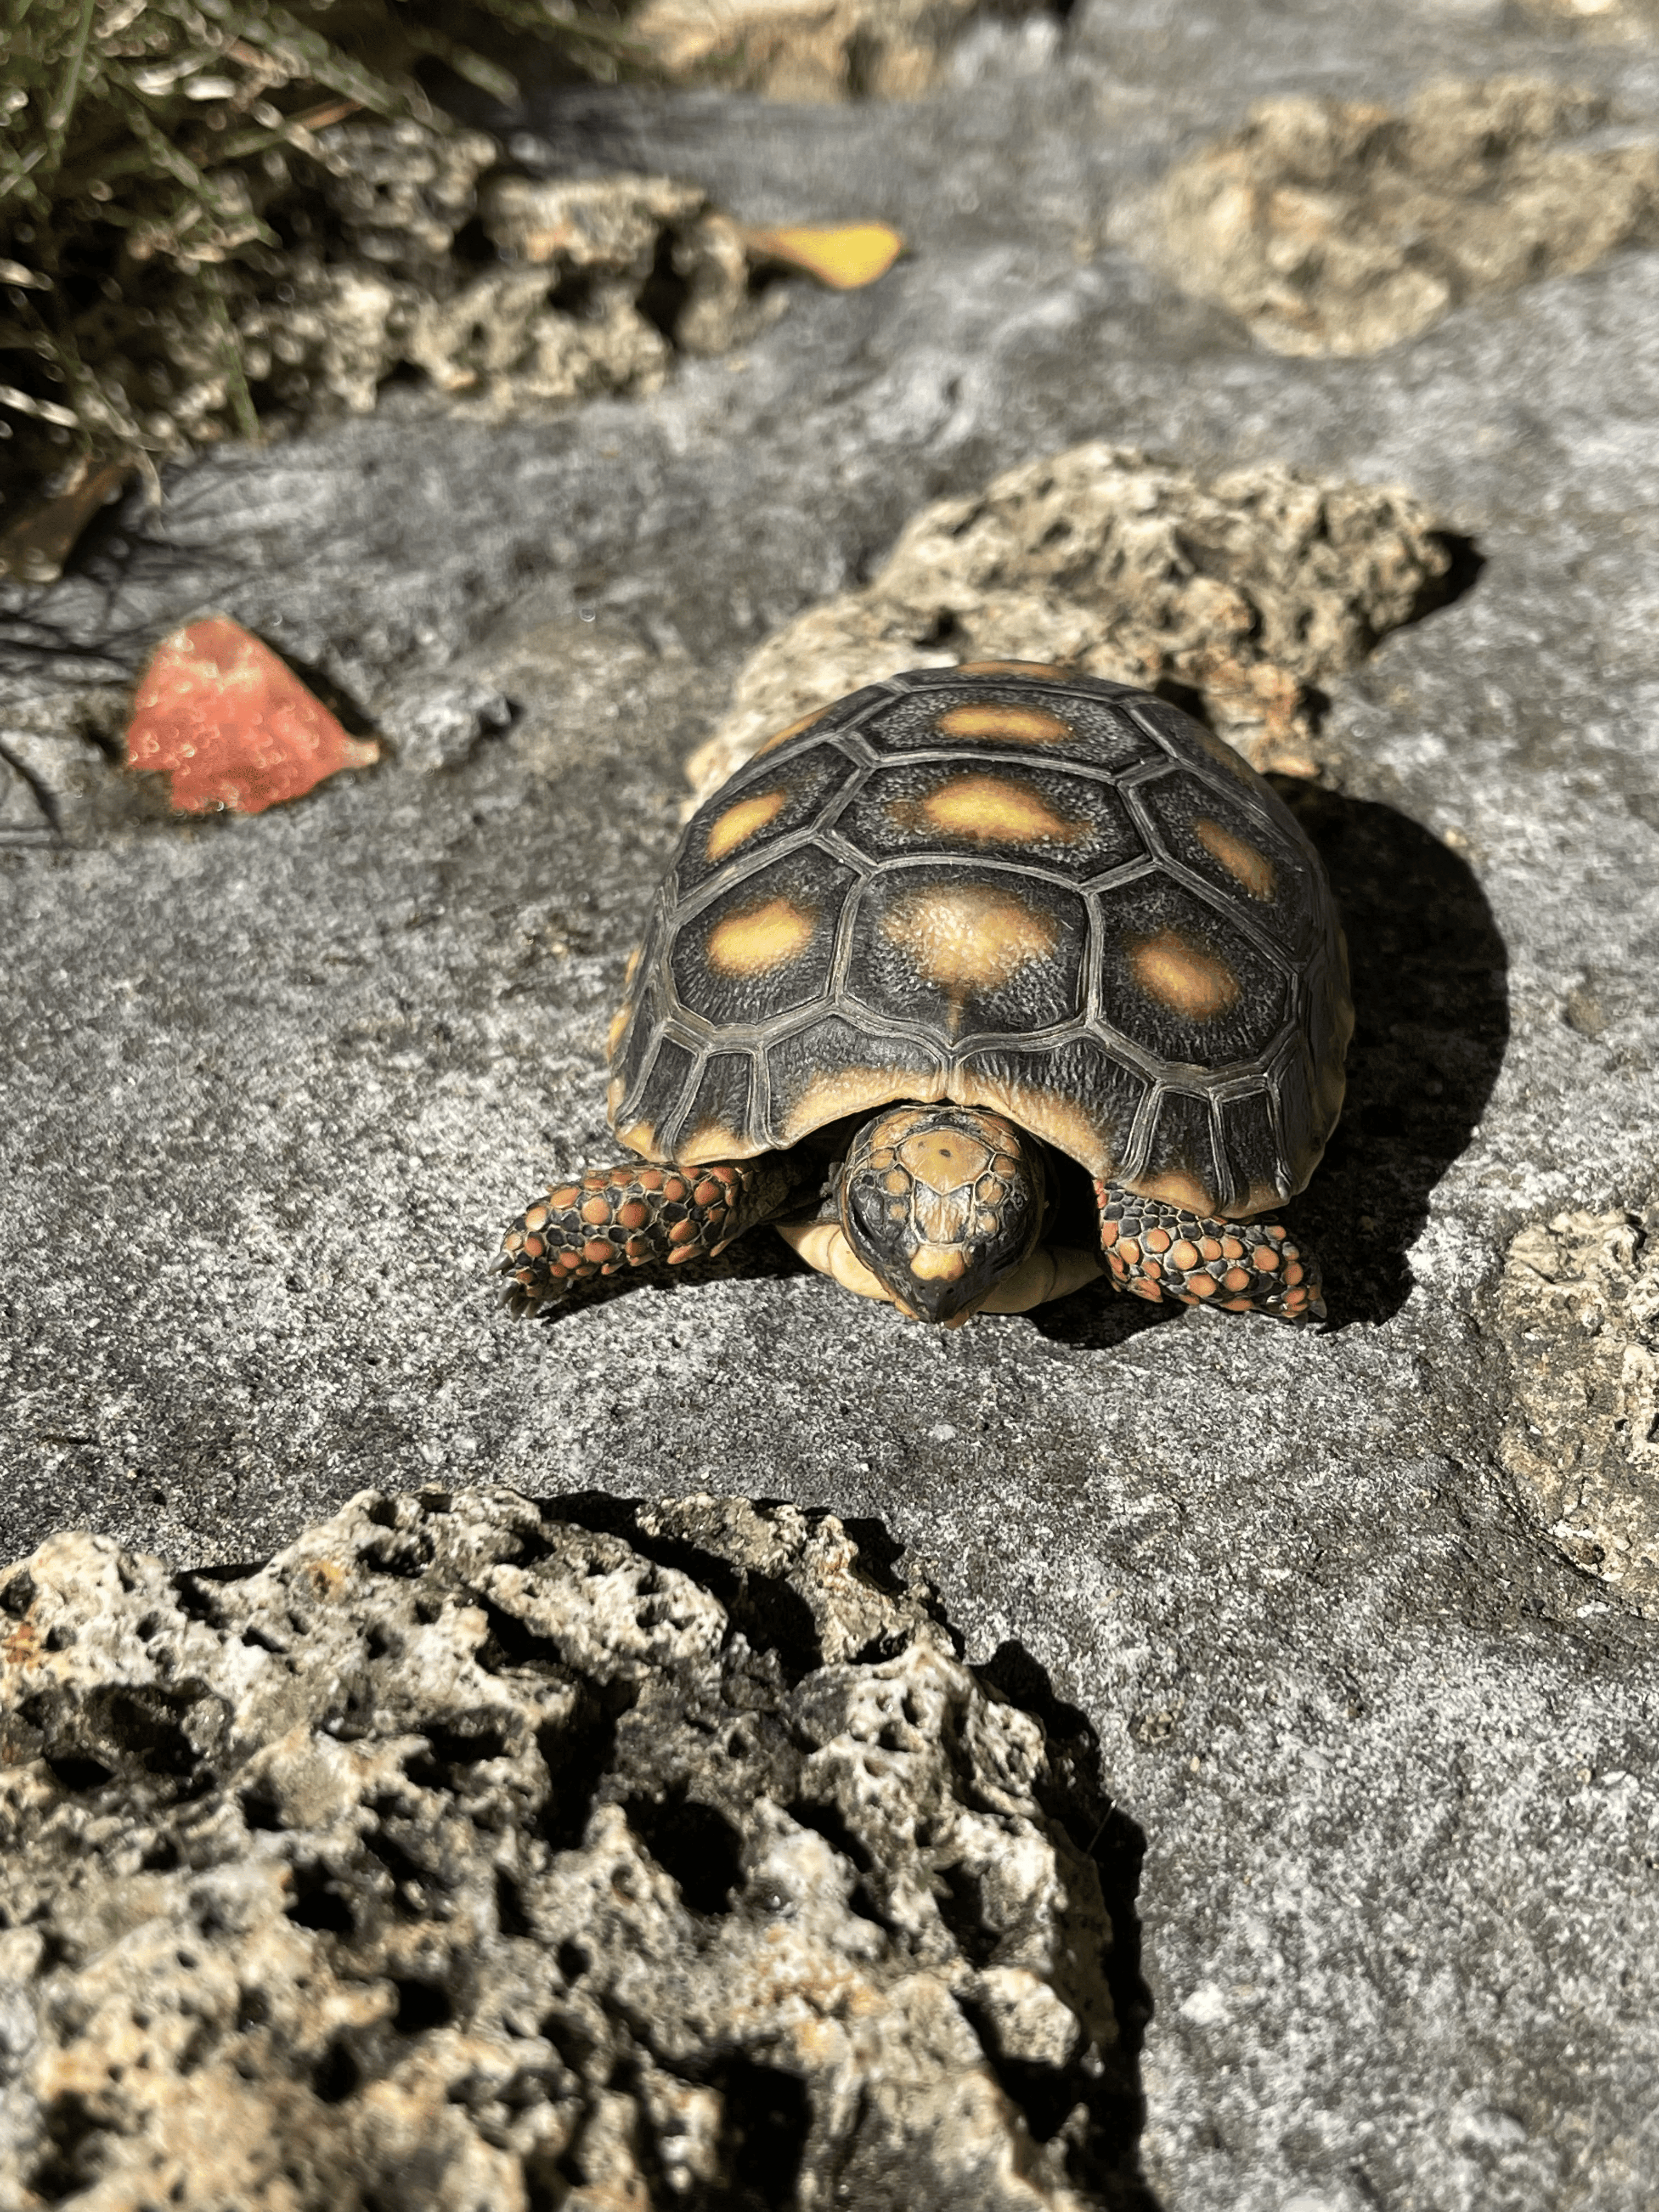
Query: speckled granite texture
x,y
273,1086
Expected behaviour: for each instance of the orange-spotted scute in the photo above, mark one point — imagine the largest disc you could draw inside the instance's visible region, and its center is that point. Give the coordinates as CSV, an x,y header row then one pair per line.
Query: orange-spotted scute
x,y
1057,899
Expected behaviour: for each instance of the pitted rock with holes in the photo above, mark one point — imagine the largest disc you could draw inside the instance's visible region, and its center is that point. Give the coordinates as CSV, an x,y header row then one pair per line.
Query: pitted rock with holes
x,y
1031,900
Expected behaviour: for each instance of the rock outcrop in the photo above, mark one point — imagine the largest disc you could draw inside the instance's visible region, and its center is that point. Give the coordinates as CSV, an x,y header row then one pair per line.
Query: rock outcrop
x,y
469,1855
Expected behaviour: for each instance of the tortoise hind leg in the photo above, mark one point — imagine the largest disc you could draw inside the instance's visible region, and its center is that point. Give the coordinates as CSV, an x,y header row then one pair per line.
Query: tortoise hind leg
x,y
640,1215
1158,1252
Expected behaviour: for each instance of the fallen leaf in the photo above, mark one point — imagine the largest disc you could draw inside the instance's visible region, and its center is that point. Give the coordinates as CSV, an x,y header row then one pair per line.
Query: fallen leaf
x,y
232,725
843,256
35,548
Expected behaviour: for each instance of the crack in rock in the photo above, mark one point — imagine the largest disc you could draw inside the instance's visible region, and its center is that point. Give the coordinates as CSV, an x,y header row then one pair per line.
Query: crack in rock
x,y
469,1855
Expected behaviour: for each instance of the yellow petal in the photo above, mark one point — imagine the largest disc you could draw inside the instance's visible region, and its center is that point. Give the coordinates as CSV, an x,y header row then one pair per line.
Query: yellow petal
x,y
842,255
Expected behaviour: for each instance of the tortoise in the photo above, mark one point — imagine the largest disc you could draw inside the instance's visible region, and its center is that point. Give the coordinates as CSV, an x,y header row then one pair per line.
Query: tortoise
x,y
978,984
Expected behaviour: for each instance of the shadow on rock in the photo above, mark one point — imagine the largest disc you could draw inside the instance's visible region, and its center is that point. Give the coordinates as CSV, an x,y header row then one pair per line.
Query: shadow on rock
x,y
1431,1022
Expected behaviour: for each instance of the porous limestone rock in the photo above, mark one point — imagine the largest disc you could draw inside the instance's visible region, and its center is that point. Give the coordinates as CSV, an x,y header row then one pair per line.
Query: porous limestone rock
x,y
467,1856
1340,227
1250,588
1579,1313
602,281
817,49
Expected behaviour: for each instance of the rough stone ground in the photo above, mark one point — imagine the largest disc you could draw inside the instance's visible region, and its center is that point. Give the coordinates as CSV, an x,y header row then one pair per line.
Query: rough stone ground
x,y
274,1084
469,1857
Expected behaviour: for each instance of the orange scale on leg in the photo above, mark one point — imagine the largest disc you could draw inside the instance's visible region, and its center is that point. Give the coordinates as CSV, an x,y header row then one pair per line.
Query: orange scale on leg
x,y
1202,1287
1149,1291
1229,1249
1157,1240
1236,1278
1237,1305
673,1190
682,1232
598,1250
1130,1250
707,1193
650,1179
565,1196
633,1215
1108,1234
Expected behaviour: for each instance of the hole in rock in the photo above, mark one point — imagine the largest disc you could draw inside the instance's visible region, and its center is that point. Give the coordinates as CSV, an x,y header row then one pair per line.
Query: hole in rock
x,y
828,1821
577,1752
766,1609
17,1594
572,1962
337,2075
767,2119
961,1907
78,1773
573,2042
511,1918
318,1902
421,2005
72,2163
693,1844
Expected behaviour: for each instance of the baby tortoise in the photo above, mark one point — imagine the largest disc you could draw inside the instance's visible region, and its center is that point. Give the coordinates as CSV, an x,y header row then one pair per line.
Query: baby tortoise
x,y
938,956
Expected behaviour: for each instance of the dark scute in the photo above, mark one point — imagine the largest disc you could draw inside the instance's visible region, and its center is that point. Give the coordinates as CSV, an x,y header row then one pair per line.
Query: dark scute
x,y
807,880
1182,1143
887,816
1082,1074
659,1100
1249,1147
1293,914
832,1044
1104,734
1241,1034
1042,993
722,1096
808,781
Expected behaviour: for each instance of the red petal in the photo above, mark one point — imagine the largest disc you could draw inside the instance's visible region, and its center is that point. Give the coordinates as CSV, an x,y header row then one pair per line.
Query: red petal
x,y
232,725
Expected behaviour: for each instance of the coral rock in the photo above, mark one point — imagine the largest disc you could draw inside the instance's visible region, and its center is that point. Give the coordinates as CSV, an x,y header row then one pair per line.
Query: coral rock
x,y
465,1855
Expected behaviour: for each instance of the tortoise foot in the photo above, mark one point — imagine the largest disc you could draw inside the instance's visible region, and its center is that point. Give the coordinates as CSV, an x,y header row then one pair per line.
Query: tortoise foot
x,y
636,1215
1158,1252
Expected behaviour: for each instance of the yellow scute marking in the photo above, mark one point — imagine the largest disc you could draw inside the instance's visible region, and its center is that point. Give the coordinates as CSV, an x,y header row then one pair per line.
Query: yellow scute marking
x,y
1043,672
764,938
1242,861
995,812
970,938
613,1037
740,822
1014,726
854,1090
1182,976
783,737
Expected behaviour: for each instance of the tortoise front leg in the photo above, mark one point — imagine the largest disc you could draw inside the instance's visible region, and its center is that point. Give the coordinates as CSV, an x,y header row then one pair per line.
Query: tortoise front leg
x,y
638,1215
1158,1252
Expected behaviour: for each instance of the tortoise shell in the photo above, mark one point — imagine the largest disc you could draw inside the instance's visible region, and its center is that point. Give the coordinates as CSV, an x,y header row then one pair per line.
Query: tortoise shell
x,y
1057,897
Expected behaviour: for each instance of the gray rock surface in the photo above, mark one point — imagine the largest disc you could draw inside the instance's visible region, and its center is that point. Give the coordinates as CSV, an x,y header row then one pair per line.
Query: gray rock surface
x,y
465,1857
274,1085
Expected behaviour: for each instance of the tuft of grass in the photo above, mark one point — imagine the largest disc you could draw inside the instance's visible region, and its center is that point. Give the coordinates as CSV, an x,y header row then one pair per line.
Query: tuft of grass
x,y
156,162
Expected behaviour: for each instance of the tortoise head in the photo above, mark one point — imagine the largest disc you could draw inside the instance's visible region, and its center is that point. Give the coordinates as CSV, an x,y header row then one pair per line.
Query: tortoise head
x,y
940,1202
